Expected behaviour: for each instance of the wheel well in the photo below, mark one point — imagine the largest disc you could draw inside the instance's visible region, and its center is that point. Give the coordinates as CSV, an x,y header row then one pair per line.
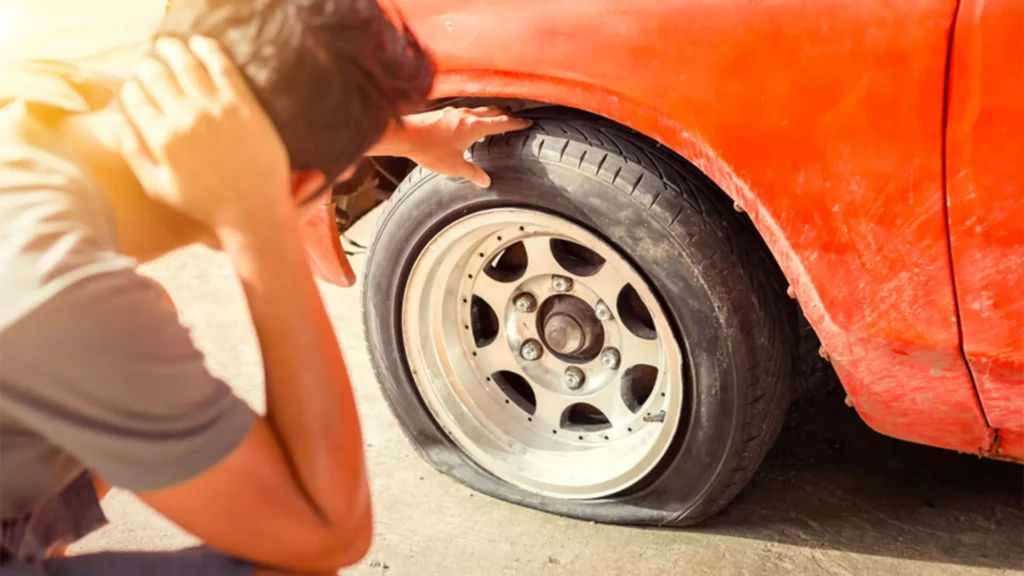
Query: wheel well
x,y
391,172
518,105
813,373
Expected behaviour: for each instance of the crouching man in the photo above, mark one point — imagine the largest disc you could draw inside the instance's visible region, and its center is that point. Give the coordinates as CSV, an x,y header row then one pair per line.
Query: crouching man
x,y
245,112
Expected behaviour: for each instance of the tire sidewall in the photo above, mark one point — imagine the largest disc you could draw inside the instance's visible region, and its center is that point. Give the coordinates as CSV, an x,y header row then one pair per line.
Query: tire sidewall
x,y
672,265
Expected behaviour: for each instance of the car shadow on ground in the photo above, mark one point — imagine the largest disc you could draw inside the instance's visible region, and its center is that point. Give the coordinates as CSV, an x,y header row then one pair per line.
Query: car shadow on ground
x,y
831,482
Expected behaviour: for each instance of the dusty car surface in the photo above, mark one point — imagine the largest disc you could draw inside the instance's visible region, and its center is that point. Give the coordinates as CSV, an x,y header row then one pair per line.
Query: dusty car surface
x,y
608,331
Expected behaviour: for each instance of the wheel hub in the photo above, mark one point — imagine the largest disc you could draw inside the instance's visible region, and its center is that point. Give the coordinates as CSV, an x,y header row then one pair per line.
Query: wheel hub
x,y
570,328
563,334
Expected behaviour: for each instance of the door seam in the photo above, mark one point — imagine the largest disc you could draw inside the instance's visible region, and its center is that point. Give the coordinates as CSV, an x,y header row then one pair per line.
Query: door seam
x,y
993,436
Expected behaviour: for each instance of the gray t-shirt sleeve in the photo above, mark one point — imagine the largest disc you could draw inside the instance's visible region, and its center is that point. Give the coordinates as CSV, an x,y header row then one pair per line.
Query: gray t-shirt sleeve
x,y
105,370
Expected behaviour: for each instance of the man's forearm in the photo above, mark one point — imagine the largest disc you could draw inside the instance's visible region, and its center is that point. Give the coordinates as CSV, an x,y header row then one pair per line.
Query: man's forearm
x,y
310,404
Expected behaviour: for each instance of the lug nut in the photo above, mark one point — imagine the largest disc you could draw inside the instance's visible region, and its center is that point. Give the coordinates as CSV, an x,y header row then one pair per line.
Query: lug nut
x,y
574,378
561,283
610,358
530,350
604,313
525,302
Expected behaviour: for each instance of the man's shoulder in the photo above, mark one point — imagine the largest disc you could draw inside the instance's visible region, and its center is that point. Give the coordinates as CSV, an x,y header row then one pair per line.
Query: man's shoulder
x,y
35,98
55,226
60,85
32,155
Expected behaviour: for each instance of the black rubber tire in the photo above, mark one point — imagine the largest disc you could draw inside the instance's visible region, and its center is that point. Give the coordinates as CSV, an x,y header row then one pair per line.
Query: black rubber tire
x,y
715,278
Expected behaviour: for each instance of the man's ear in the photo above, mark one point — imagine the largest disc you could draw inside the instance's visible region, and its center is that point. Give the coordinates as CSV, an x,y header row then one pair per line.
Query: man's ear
x,y
305,183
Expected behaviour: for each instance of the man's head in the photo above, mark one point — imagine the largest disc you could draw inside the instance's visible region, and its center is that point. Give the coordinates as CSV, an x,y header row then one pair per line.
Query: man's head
x,y
330,74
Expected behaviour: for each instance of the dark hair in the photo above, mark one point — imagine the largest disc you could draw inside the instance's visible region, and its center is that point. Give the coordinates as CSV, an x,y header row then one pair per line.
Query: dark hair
x,y
331,74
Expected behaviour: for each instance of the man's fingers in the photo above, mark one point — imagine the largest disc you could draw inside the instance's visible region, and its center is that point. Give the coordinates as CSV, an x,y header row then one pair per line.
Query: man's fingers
x,y
134,150
501,124
157,81
138,156
142,113
219,66
475,174
487,112
189,72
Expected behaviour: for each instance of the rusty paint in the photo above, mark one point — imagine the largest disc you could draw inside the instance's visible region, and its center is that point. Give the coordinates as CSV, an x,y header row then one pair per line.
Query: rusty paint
x,y
1006,445
822,120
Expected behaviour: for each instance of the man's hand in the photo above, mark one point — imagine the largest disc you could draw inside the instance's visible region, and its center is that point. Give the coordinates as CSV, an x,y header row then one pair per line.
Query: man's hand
x,y
438,140
198,139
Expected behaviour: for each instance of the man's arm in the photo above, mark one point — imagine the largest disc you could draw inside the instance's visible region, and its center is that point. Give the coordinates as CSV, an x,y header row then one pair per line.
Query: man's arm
x,y
128,394
294,493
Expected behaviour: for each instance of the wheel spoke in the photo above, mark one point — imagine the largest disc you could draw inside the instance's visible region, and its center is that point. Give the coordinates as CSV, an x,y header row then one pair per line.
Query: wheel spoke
x,y
636,350
495,357
496,294
550,407
609,401
539,258
607,282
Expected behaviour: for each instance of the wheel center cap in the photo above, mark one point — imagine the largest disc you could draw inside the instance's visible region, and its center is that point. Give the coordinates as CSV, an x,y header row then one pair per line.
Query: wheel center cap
x,y
563,333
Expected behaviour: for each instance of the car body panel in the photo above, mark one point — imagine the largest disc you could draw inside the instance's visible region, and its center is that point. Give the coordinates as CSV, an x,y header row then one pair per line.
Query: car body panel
x,y
327,258
821,119
985,185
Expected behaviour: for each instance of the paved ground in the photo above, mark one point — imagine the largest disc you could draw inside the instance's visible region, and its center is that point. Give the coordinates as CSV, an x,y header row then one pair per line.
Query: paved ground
x,y
833,498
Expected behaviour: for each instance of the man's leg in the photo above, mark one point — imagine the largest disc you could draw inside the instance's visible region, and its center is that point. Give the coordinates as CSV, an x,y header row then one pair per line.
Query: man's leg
x,y
101,488
200,561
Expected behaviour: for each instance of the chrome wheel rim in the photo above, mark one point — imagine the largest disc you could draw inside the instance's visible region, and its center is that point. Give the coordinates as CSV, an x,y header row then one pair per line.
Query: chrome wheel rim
x,y
542,353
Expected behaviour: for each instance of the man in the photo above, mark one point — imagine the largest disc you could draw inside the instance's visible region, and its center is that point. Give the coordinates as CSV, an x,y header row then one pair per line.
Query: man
x,y
220,138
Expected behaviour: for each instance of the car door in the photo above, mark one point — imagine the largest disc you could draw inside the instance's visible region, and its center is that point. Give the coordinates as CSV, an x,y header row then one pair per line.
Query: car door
x,y
985,187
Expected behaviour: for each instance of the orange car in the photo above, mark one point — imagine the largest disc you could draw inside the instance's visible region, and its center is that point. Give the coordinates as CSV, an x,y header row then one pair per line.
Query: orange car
x,y
608,332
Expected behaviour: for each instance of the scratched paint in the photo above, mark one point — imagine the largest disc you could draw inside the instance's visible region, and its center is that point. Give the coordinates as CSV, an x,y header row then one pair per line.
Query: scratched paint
x,y
985,183
822,120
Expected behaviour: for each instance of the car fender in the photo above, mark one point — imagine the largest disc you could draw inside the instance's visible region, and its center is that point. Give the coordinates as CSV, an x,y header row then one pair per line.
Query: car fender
x,y
821,120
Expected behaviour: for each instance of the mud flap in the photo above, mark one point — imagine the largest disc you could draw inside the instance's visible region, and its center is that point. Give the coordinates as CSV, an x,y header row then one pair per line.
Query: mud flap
x,y
327,259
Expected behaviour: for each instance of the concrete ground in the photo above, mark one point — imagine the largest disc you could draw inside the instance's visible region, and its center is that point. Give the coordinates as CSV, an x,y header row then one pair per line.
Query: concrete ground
x,y
832,498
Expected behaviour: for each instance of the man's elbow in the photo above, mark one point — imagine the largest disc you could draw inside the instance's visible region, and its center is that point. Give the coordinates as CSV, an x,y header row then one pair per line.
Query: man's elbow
x,y
337,537
325,551
355,547
347,542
